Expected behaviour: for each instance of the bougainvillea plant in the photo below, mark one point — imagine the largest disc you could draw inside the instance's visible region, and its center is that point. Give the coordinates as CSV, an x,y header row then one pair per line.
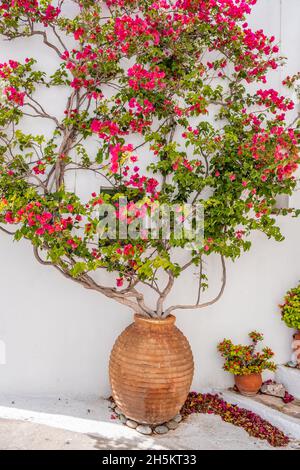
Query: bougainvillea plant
x,y
167,102
290,310
253,424
245,360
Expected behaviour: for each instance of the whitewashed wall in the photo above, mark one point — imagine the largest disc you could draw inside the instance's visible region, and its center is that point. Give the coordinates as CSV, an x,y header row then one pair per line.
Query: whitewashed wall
x,y
58,336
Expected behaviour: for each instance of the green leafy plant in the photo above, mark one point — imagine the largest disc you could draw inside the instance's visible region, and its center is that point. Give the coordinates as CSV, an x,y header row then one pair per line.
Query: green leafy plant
x,y
245,360
290,310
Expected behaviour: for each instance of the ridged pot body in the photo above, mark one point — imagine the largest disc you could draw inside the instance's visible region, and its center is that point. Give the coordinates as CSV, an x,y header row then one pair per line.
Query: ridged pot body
x,y
248,385
151,370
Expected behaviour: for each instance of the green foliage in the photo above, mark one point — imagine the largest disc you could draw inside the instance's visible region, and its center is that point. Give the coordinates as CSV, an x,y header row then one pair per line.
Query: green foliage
x,y
290,310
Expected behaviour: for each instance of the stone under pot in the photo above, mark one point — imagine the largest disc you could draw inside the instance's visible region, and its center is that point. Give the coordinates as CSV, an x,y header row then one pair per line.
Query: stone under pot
x,y
151,370
248,385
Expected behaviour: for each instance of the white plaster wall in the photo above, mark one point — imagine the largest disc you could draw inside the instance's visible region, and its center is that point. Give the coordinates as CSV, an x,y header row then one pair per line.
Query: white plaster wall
x,y
58,336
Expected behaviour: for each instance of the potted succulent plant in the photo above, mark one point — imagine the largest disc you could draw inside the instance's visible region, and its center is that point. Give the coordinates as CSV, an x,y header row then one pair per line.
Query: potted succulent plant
x,y
161,111
246,363
290,314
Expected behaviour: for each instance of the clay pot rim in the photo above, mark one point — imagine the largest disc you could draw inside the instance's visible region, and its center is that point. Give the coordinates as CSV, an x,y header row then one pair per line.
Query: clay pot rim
x,y
170,320
247,375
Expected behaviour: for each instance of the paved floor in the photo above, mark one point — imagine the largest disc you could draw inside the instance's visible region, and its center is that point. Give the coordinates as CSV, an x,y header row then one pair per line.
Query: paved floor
x,y
77,424
290,409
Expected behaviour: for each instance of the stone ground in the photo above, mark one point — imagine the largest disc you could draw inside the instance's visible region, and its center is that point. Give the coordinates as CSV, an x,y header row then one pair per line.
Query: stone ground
x,y
87,425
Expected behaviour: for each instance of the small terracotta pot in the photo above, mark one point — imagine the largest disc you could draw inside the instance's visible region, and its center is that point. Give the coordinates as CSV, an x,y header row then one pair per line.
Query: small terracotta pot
x,y
248,385
151,370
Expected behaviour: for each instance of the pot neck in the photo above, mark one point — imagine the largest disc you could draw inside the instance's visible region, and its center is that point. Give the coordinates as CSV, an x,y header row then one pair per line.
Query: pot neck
x,y
145,322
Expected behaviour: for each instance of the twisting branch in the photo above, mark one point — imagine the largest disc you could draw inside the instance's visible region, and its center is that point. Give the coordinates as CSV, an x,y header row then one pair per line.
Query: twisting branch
x,y
6,231
205,304
40,111
46,41
59,38
48,263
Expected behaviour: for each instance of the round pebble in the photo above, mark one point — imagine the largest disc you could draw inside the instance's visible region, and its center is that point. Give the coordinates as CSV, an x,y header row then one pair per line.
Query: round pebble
x,y
177,418
161,429
172,425
131,424
144,429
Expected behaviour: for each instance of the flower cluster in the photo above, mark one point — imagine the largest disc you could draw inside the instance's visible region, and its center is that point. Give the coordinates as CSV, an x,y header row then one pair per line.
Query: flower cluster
x,y
253,424
290,310
271,98
244,360
14,95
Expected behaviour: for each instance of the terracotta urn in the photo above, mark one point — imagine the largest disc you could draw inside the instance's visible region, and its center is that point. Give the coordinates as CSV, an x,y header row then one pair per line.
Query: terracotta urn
x,y
248,385
151,370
